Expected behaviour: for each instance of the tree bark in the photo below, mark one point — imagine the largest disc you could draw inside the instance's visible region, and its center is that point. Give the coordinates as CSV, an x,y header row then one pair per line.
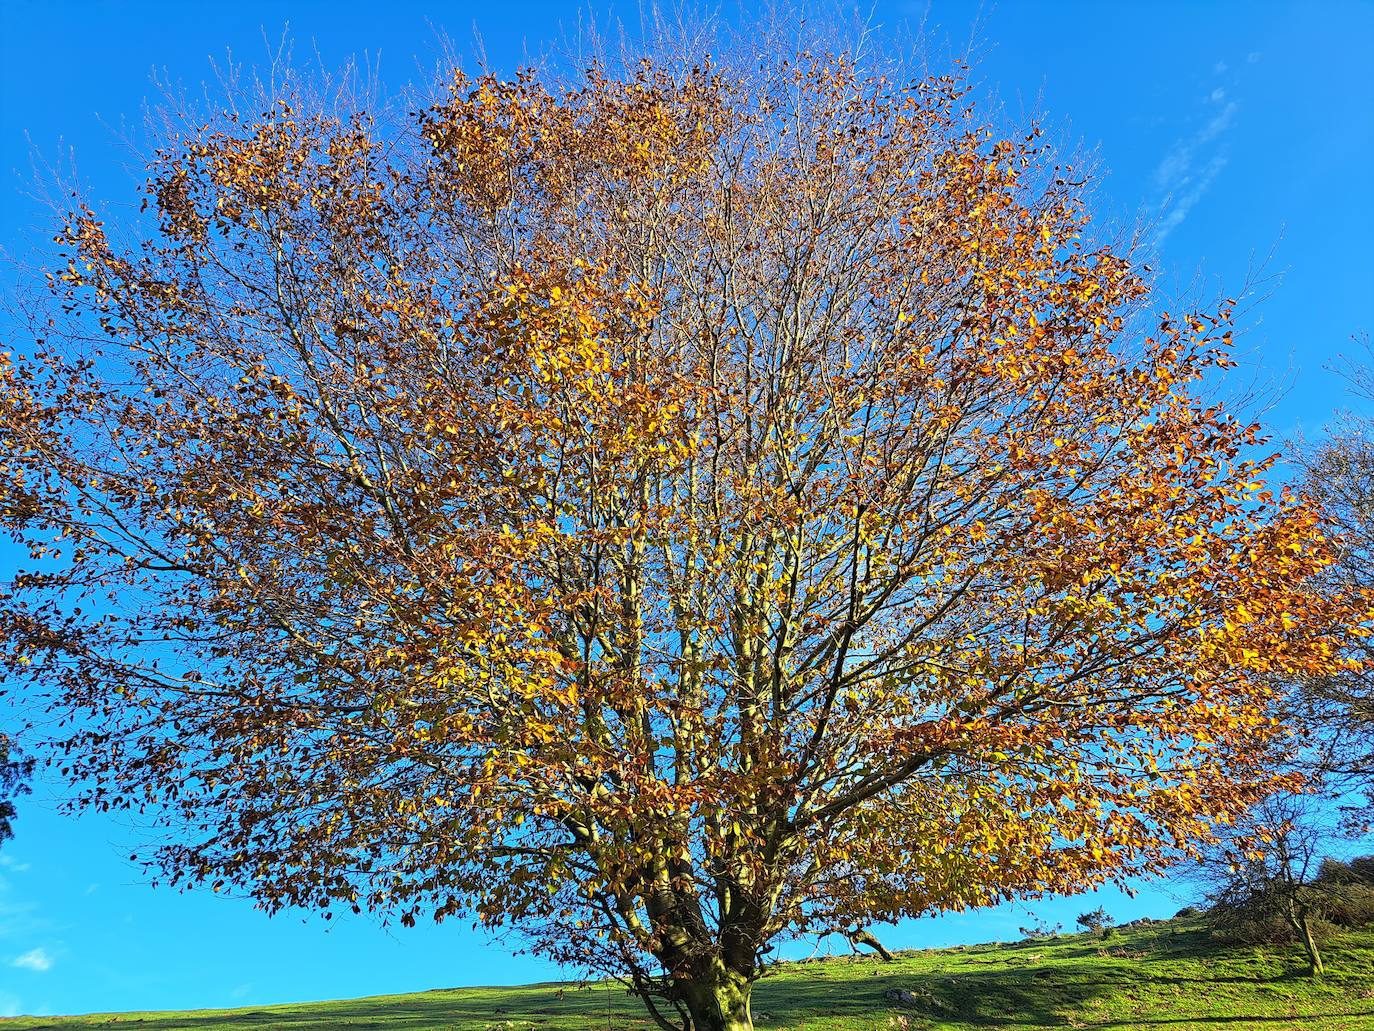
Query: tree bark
x,y
1298,917
718,999
1309,942
861,936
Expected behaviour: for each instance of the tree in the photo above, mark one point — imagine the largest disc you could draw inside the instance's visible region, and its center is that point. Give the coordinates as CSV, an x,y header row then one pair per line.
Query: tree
x,y
19,418
1094,920
1273,866
1339,473
13,772
666,514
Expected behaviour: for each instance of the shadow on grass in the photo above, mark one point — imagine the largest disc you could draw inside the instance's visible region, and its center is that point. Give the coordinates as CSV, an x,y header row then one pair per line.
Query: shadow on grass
x,y
1032,996
542,1008
1050,994
1026,997
1239,1020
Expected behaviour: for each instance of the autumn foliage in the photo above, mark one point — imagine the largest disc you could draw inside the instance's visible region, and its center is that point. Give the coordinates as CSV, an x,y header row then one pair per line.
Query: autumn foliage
x,y
665,514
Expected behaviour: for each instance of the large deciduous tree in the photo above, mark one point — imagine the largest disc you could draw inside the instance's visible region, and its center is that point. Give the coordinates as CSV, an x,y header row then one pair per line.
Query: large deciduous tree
x,y
665,514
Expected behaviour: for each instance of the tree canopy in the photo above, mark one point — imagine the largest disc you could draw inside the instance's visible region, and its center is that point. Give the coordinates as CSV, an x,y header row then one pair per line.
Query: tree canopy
x,y
664,513
12,783
1339,474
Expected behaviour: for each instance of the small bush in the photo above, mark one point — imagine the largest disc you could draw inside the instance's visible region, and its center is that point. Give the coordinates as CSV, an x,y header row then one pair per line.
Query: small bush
x,y
1333,871
1335,904
1363,869
1040,931
1186,912
1357,871
1351,905
1107,932
1269,930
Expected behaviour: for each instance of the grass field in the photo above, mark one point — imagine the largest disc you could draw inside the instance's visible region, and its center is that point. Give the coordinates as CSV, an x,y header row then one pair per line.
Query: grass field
x,y
1166,976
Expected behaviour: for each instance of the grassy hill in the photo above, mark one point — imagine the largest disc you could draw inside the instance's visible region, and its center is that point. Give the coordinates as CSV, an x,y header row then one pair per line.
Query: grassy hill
x,y
1166,977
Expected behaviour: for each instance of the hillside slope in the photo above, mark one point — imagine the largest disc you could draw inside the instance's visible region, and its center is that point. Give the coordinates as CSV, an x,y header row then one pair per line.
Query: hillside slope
x,y
1165,977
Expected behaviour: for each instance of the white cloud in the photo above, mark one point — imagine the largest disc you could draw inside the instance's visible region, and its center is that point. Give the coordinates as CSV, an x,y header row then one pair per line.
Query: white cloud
x,y
1193,189
21,919
1217,125
36,960
1190,167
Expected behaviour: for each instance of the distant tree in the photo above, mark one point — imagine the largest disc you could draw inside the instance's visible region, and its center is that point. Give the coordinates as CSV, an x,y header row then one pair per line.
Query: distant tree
x,y
1094,920
667,513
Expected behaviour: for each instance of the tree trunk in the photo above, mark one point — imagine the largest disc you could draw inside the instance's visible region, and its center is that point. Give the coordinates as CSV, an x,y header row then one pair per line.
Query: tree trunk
x,y
718,1000
1309,943
1298,920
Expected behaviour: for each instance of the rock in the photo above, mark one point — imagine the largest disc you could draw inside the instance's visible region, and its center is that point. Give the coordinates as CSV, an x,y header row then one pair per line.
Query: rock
x,y
902,997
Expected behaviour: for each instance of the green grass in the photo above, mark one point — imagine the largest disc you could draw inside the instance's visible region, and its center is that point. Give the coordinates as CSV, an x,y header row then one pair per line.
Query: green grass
x,y
1166,977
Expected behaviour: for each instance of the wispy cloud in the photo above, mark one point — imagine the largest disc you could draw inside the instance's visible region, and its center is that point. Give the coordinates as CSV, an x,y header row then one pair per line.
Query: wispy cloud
x,y
1190,167
19,919
37,960
1180,207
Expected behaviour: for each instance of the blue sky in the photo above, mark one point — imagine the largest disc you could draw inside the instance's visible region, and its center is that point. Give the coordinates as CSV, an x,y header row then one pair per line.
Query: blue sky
x,y
1243,133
